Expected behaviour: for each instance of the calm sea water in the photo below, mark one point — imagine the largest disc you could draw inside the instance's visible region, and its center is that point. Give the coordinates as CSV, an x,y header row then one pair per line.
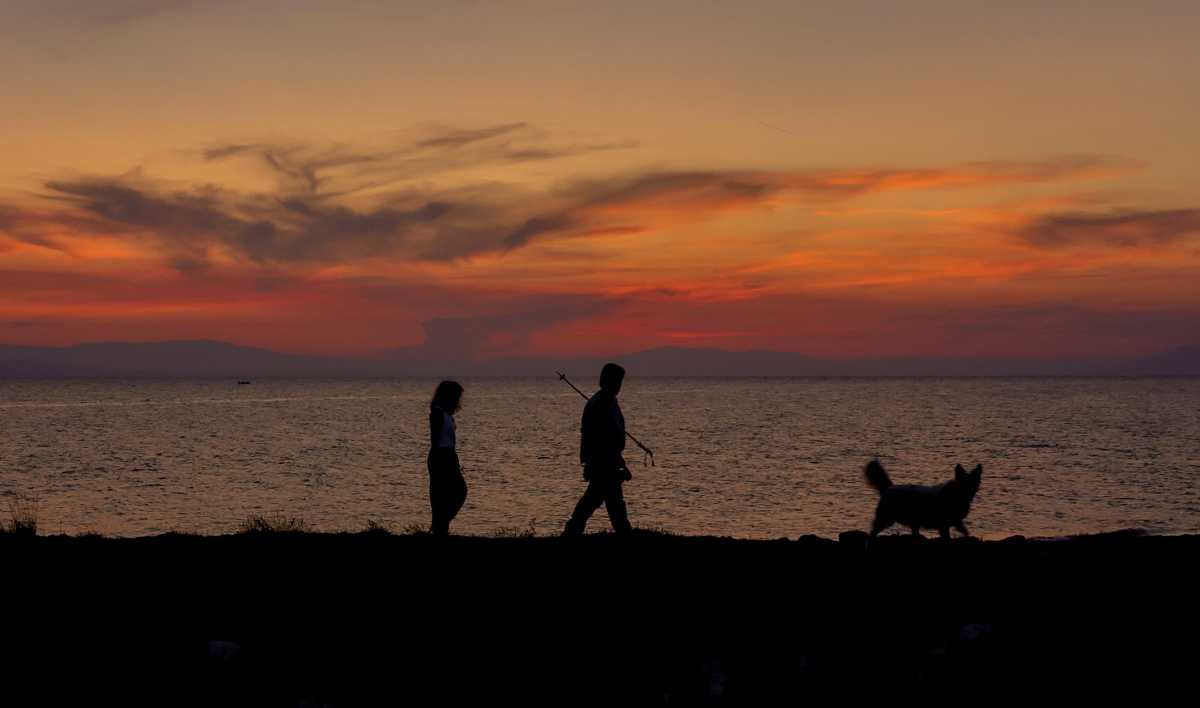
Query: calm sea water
x,y
759,458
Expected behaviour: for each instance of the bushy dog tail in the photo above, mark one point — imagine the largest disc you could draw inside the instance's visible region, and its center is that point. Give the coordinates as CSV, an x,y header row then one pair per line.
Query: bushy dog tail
x,y
876,476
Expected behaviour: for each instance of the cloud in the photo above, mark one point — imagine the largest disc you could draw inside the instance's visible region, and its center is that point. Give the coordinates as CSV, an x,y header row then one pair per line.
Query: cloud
x,y
116,202
333,170
537,226
183,225
189,226
459,138
1122,229
684,196
43,226
336,204
670,191
300,168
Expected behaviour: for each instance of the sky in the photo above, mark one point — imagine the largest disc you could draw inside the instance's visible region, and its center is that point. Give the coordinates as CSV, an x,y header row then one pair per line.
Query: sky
x,y
565,178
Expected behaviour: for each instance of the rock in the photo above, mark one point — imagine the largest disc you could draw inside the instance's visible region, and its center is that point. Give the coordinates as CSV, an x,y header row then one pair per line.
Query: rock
x,y
974,631
224,651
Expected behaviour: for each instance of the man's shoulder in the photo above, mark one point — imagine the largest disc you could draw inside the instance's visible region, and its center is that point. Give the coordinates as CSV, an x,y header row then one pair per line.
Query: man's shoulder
x,y
598,404
600,399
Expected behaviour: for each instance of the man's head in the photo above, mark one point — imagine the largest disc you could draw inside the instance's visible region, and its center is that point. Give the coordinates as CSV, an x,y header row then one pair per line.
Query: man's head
x,y
611,377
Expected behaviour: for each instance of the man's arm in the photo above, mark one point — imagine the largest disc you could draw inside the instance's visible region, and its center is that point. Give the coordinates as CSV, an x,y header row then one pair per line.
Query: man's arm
x,y
616,431
585,434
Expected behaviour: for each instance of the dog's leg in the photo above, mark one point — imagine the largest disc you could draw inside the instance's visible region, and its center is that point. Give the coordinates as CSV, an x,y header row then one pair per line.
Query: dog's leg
x,y
962,528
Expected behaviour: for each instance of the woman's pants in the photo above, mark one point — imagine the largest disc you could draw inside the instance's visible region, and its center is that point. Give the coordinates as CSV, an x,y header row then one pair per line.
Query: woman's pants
x,y
447,488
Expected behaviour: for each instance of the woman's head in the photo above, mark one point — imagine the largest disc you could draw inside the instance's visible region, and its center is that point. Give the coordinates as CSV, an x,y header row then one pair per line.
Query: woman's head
x,y
448,396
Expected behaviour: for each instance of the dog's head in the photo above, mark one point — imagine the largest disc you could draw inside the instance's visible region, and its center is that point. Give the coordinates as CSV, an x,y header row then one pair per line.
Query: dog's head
x,y
968,482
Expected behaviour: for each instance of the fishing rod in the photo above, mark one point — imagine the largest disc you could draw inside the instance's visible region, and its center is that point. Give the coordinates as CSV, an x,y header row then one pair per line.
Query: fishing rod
x,y
648,451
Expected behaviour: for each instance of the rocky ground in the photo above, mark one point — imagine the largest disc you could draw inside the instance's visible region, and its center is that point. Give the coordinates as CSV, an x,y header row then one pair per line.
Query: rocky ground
x,y
299,619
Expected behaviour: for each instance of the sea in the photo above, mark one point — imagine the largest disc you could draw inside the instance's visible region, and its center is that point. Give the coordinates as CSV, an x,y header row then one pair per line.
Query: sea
x,y
742,457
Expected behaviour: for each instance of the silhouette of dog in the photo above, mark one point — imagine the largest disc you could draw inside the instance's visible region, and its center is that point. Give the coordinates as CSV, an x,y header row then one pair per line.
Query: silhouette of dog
x,y
915,506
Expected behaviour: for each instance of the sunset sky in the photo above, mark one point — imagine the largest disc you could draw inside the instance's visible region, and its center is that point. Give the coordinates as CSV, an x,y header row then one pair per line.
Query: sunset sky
x,y
840,179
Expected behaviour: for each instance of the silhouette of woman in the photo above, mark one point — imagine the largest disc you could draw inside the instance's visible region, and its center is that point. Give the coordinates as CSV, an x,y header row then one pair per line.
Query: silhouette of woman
x,y
447,488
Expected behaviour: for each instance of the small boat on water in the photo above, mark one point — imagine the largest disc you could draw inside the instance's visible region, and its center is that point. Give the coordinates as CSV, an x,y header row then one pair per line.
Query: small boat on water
x,y
243,383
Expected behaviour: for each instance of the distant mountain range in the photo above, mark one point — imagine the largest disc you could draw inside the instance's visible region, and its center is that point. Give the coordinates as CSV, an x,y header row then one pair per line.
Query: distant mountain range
x,y
210,359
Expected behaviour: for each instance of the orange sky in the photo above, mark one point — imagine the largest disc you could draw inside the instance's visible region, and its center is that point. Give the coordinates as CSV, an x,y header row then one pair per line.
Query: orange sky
x,y
870,178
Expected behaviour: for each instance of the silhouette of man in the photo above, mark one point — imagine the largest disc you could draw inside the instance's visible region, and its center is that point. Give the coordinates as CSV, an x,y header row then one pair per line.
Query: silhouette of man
x,y
601,442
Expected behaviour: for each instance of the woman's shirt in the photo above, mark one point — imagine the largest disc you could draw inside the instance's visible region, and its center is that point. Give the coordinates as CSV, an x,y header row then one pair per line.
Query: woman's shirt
x,y
441,429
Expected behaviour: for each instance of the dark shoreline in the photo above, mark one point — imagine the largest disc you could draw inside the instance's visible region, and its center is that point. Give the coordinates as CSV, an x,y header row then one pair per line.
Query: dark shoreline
x,y
371,618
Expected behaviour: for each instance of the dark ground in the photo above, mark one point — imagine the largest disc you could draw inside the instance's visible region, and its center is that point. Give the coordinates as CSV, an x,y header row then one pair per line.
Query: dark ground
x,y
276,619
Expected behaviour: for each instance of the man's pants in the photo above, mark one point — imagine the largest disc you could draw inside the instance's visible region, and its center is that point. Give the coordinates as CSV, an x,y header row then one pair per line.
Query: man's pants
x,y
602,489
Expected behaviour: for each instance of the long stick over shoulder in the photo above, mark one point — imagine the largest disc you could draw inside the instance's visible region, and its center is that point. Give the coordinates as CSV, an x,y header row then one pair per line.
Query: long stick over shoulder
x,y
648,451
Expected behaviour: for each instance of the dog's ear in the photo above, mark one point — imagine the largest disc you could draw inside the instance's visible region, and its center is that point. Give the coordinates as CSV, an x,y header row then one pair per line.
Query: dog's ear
x,y
959,473
978,471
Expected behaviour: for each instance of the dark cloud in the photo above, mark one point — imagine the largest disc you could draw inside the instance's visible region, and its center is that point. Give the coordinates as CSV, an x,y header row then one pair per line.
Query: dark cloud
x,y
294,164
725,188
220,152
42,227
188,265
119,203
340,233
537,226
183,225
300,168
187,225
337,170
310,219
459,138
1118,229
304,222
677,188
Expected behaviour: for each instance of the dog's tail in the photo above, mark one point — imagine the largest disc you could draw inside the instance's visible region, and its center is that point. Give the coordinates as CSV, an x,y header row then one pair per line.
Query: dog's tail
x,y
876,476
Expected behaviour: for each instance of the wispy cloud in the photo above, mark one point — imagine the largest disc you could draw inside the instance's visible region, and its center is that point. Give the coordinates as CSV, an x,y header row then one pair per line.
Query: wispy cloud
x,y
716,190
338,203
1122,229
460,138
336,170
192,226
